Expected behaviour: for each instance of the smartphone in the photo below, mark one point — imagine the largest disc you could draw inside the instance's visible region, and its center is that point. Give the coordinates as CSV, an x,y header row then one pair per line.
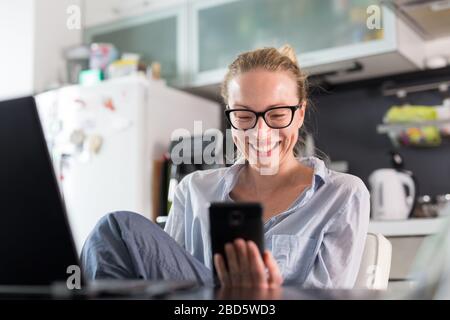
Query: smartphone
x,y
229,220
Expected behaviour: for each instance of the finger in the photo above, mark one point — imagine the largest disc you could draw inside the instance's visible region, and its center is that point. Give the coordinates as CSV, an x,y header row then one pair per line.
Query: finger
x,y
222,273
244,265
233,266
256,265
275,278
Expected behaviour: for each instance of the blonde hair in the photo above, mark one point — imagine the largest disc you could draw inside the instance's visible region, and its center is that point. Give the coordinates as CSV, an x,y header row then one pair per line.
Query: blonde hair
x,y
270,59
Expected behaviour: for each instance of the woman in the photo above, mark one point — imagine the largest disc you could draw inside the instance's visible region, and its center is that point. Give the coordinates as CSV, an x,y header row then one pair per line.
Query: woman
x,y
315,219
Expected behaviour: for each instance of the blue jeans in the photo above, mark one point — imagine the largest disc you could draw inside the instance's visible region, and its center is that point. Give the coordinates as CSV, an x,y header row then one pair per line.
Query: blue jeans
x,y
126,245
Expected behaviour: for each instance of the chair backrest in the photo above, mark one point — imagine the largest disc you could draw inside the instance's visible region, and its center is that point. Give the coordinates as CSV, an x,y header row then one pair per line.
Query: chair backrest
x,y
375,263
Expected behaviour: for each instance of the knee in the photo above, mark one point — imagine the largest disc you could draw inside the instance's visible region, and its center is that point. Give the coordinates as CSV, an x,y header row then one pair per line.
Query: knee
x,y
112,228
125,223
122,216
108,245
128,221
114,224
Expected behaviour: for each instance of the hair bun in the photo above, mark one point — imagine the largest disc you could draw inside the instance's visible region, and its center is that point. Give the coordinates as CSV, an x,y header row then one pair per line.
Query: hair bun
x,y
289,52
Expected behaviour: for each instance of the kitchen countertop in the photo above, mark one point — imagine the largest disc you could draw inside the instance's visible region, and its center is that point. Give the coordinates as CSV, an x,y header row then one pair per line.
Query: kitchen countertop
x,y
410,227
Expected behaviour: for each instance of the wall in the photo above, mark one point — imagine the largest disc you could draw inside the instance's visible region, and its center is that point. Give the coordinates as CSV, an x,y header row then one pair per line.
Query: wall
x,y
33,35
345,121
52,37
16,54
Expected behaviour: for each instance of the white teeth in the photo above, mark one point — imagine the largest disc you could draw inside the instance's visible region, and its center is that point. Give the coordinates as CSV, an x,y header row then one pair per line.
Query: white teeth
x,y
265,147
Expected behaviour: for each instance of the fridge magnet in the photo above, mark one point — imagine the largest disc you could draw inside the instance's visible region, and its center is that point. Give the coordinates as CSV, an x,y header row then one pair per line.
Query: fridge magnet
x,y
64,164
108,104
95,142
77,137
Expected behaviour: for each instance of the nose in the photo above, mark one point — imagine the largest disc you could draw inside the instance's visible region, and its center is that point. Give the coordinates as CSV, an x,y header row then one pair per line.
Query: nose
x,y
261,124
262,128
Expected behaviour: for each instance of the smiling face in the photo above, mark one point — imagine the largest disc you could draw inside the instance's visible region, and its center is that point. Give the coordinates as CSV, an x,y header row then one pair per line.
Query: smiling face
x,y
259,90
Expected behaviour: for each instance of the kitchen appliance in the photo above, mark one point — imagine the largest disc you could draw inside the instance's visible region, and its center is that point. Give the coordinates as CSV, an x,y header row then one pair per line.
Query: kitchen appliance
x,y
105,137
392,194
429,18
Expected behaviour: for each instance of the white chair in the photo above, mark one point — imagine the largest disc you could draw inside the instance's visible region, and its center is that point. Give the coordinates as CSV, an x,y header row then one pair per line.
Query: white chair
x,y
375,264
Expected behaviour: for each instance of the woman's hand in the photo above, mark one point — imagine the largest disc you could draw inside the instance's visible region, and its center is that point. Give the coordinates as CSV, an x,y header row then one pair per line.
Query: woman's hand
x,y
246,267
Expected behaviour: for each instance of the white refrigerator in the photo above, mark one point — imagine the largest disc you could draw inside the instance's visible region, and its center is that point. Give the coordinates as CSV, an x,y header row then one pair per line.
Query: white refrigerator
x,y
103,139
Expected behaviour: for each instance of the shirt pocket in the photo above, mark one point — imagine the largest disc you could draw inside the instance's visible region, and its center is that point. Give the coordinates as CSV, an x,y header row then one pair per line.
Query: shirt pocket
x,y
294,255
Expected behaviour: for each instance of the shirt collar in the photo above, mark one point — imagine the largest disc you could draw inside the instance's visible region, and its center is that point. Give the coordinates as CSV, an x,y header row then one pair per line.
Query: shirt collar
x,y
320,170
231,175
320,173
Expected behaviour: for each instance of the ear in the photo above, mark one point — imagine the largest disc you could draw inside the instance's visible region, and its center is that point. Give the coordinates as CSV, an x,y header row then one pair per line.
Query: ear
x,y
304,103
301,113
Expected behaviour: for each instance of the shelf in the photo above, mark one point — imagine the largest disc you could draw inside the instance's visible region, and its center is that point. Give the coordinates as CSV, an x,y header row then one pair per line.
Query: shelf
x,y
397,127
410,227
402,91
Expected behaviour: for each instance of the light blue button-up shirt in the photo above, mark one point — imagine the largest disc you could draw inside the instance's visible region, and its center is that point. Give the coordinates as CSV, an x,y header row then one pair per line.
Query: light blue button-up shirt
x,y
317,242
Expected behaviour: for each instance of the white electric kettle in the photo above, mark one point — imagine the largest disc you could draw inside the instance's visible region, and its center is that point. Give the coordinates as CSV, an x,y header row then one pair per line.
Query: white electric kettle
x,y
393,194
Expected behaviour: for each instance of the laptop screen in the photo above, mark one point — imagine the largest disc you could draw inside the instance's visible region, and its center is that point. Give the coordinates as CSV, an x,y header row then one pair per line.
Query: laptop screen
x,y
36,244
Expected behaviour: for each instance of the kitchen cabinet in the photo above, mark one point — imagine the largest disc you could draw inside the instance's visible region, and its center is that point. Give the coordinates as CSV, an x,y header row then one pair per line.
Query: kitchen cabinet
x,y
99,12
328,36
158,36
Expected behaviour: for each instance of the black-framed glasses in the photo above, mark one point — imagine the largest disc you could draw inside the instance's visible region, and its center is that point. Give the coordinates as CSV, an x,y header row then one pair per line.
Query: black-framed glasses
x,y
275,118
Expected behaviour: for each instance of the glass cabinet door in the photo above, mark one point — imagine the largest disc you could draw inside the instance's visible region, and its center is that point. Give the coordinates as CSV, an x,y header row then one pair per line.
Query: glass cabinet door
x,y
224,28
156,36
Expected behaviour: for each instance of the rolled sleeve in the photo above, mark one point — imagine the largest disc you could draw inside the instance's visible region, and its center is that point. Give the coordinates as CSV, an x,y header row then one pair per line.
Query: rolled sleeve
x,y
175,224
338,260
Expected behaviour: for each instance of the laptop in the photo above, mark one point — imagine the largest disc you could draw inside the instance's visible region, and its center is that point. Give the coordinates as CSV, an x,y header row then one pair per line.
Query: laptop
x,y
37,249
